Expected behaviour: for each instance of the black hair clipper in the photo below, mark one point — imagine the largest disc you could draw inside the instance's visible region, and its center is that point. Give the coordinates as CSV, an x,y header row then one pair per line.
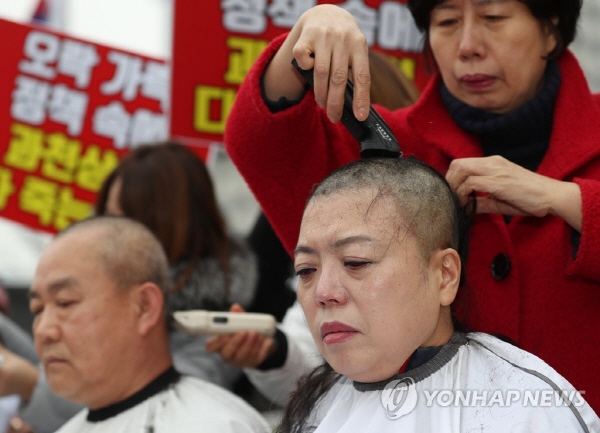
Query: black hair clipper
x,y
374,135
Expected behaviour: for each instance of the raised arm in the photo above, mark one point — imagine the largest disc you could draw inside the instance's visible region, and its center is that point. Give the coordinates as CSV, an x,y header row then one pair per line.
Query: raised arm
x,y
340,50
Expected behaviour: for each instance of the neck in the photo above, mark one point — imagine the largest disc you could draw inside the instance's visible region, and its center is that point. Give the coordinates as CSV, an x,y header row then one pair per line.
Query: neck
x,y
443,331
159,384
147,361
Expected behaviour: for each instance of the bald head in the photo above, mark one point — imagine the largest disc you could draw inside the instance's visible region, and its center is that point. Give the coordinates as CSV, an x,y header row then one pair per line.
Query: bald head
x,y
129,253
424,200
98,305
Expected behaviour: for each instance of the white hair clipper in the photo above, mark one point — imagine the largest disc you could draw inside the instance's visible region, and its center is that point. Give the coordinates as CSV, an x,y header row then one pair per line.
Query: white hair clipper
x,y
203,322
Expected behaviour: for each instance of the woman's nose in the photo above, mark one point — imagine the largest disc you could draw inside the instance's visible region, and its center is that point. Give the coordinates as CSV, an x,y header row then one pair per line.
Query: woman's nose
x,y
330,290
471,42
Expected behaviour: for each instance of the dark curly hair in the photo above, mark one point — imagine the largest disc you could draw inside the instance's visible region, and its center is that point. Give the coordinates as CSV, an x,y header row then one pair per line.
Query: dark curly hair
x,y
567,12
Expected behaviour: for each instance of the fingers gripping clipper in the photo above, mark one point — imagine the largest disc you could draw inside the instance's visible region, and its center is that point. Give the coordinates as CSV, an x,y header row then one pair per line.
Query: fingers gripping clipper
x,y
374,135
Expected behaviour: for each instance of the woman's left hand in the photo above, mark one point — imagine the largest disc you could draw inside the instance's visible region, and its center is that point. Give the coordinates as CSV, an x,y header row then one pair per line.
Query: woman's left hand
x,y
510,189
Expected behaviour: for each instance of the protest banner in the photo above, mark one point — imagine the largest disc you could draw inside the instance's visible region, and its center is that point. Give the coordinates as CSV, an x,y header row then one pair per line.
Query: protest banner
x,y
69,109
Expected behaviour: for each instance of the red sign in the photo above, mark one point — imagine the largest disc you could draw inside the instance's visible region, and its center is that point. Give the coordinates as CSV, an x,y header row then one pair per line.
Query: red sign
x,y
69,109
216,42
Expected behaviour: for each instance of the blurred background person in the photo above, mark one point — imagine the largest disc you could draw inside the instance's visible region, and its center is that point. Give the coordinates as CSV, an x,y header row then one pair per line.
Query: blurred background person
x,y
166,187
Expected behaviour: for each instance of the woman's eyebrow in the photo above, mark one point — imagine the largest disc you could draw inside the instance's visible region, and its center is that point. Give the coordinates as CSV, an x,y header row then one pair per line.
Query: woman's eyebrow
x,y
303,249
479,3
358,239
488,2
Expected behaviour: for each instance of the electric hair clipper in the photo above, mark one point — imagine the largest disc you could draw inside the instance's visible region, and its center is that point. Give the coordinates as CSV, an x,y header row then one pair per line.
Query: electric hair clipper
x,y
374,135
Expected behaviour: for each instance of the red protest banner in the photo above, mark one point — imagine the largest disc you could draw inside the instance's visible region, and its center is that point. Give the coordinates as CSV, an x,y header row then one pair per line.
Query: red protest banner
x,y
216,42
69,109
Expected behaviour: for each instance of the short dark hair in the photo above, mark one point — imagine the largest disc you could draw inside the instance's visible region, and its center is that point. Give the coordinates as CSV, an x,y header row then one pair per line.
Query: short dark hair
x,y
567,12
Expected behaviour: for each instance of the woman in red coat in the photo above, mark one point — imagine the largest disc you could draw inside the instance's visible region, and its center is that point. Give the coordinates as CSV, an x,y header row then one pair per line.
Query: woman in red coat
x,y
508,116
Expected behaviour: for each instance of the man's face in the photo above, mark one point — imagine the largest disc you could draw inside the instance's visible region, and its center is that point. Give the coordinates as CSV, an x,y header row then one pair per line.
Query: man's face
x,y
82,326
369,297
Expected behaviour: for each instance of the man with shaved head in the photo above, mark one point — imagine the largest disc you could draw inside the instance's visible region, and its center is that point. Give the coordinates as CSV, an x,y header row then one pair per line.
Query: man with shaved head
x,y
100,330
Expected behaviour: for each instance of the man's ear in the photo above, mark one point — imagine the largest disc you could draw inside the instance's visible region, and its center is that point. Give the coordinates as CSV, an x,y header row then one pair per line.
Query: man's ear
x,y
148,301
448,263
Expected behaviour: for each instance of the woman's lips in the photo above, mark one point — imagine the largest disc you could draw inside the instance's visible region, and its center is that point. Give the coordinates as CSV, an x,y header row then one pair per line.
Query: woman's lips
x,y
336,332
477,81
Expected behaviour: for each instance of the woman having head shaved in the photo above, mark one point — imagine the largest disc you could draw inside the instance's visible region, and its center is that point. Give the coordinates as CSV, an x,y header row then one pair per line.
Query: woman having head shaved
x,y
379,266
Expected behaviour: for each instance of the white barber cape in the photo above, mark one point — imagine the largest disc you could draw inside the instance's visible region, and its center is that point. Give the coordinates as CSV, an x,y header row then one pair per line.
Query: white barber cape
x,y
475,383
187,405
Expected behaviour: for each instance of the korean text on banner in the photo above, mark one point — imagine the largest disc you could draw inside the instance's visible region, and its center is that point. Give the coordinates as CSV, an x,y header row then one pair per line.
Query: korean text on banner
x,y
69,110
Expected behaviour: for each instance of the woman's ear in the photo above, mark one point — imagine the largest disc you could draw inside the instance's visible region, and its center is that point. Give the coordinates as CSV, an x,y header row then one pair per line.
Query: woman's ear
x,y
551,41
449,264
149,302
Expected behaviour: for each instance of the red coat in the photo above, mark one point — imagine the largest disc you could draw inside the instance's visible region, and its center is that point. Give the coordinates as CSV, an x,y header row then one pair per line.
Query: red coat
x,y
547,301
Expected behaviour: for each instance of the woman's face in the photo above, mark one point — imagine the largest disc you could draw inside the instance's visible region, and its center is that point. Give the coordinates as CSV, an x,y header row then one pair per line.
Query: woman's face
x,y
489,52
369,297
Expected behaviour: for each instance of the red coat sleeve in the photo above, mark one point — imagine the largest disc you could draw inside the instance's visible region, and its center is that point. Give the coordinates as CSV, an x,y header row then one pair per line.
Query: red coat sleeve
x,y
586,264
